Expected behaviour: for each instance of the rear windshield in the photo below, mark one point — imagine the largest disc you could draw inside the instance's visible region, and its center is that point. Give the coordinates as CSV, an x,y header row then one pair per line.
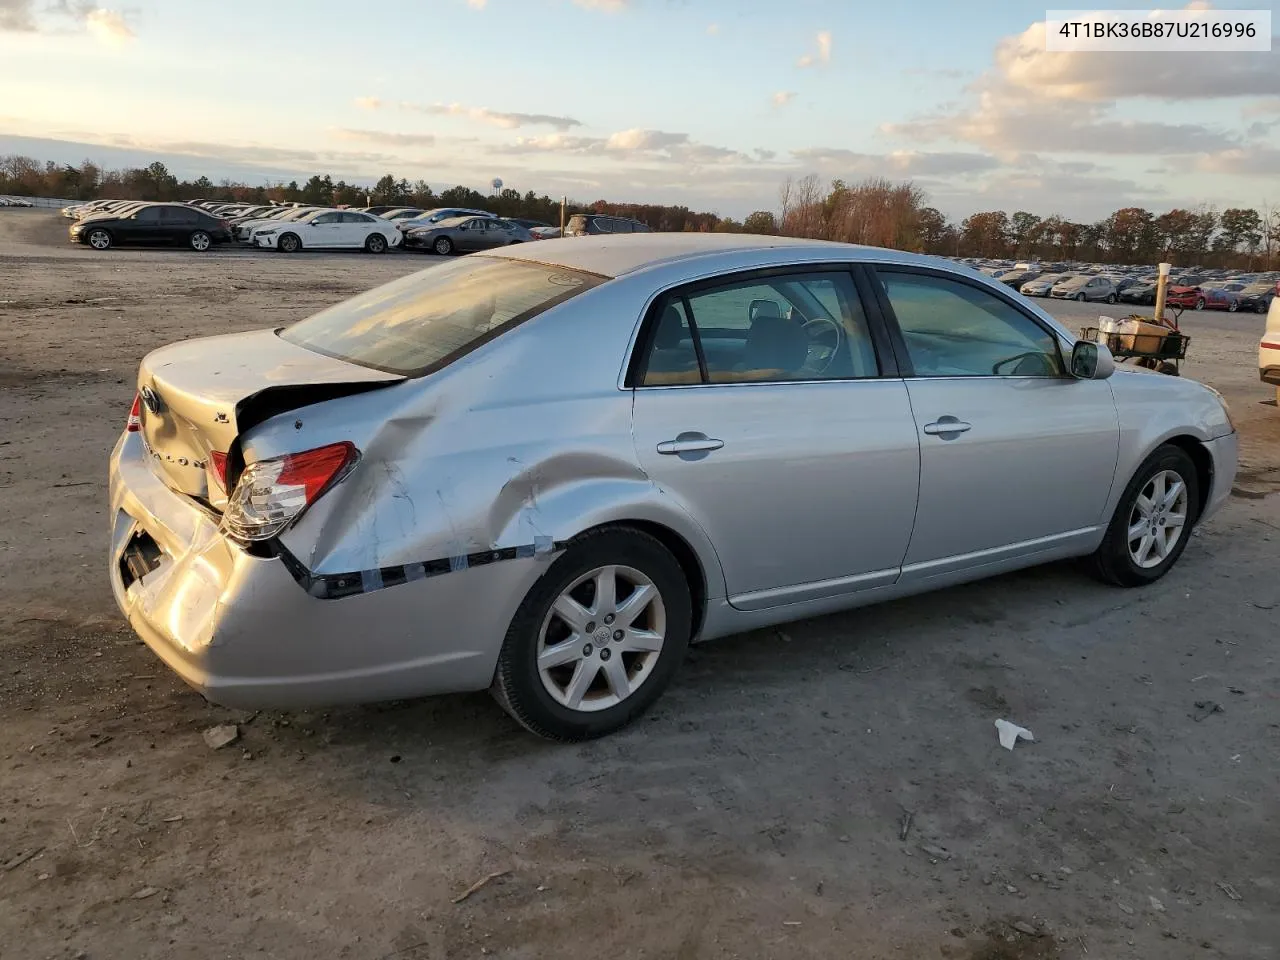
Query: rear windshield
x,y
424,321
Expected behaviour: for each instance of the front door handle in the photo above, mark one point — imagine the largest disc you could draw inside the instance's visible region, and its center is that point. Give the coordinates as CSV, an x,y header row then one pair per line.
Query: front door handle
x,y
690,443
947,427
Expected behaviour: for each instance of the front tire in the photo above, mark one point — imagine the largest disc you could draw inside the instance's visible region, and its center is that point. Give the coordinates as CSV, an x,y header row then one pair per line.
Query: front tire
x,y
375,243
1200,304
598,637
1152,522
1079,297
1233,306
200,241
289,243
99,239
443,246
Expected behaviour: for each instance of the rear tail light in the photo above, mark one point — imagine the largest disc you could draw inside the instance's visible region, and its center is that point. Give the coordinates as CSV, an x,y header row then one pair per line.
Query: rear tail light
x,y
271,494
134,423
218,469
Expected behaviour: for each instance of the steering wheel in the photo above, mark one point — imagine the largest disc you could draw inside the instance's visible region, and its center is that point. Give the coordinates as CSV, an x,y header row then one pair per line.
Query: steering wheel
x,y
817,331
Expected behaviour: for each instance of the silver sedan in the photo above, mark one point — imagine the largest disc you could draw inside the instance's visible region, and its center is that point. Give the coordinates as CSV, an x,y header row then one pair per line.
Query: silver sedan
x,y
546,470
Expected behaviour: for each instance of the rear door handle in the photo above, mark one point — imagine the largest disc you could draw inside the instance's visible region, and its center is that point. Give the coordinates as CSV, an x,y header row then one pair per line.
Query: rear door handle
x,y
947,427
689,443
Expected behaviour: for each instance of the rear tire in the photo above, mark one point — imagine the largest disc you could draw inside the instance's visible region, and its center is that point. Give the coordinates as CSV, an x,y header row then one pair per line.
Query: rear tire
x,y
1116,561
538,695
1200,304
1111,298
375,243
1233,306
200,241
99,239
289,243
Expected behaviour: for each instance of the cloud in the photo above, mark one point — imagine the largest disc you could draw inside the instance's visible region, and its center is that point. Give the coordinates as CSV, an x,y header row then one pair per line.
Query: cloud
x,y
1254,161
1033,100
1023,62
17,16
1003,125
713,29
109,27
26,16
385,138
900,163
508,121
608,6
783,97
821,55
1263,108
476,4
637,144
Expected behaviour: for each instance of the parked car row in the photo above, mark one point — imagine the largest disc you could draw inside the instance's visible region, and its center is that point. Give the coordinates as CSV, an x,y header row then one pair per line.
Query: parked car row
x,y
15,202
290,227
1188,289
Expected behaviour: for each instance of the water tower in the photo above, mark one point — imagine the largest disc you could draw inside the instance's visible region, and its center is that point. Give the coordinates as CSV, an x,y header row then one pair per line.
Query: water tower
x,y
496,184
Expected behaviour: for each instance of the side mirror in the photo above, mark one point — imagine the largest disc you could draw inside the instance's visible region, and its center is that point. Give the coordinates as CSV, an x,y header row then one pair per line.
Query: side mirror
x,y
1091,360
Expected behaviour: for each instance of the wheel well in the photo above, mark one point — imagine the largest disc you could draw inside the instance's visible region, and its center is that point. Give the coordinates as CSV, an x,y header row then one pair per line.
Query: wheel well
x,y
1204,466
685,556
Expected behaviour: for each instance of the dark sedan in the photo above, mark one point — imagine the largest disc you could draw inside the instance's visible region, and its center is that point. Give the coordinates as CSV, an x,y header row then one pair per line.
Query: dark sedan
x,y
1257,296
1142,292
153,224
466,235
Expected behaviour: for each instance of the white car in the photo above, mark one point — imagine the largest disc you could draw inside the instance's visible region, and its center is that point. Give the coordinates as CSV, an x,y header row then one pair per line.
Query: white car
x,y
1269,349
329,230
244,231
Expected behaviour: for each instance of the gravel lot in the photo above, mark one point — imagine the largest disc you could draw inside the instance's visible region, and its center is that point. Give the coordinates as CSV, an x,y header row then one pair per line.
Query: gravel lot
x,y
757,812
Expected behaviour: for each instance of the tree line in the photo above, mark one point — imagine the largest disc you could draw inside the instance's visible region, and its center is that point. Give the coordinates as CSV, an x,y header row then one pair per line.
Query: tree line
x,y
874,211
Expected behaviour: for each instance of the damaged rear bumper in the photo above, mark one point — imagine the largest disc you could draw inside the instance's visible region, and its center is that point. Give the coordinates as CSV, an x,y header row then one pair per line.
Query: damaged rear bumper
x,y
245,632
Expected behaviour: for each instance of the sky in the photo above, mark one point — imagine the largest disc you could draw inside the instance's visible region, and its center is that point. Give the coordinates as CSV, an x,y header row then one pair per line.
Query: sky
x,y
709,103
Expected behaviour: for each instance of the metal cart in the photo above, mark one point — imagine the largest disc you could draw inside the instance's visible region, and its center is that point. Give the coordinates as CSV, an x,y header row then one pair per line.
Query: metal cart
x,y
1161,353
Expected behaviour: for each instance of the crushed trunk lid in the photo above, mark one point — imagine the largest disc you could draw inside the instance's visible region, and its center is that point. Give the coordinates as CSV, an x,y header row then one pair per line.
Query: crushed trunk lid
x,y
198,396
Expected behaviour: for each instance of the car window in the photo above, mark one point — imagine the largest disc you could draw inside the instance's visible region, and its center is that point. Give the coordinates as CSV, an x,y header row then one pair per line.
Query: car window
x,y
953,329
327,218
421,322
672,358
792,327
349,217
601,225
149,215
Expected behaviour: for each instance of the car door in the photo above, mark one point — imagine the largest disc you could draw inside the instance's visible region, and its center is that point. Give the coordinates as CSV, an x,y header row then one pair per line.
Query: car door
x,y
145,226
324,231
355,227
762,408
179,223
468,237
1016,456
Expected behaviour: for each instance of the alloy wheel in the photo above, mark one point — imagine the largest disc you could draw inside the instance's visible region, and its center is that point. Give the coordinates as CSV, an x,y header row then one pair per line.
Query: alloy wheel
x,y
1158,519
602,638
200,241
99,240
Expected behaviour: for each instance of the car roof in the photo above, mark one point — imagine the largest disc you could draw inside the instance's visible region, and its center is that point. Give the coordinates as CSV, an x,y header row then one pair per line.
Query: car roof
x,y
615,256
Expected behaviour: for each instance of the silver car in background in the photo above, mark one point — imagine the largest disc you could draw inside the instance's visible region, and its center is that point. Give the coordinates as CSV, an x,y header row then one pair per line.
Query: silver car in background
x,y
546,470
1084,288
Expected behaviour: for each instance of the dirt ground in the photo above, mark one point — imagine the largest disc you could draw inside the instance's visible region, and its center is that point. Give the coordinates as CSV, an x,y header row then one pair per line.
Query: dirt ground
x,y
758,812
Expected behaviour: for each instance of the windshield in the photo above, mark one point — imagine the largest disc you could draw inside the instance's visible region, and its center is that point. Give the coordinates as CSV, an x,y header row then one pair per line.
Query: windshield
x,y
424,321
